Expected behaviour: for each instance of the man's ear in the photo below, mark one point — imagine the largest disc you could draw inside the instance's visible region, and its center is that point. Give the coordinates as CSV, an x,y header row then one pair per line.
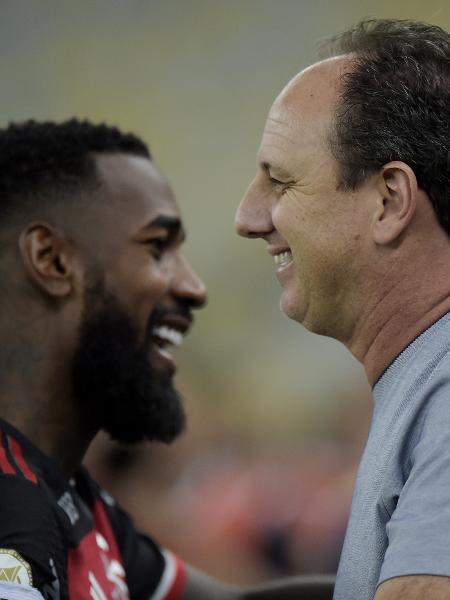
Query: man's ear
x,y
397,201
48,258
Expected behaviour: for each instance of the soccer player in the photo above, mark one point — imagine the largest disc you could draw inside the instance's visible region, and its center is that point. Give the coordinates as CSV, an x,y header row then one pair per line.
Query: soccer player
x,y
352,196
94,291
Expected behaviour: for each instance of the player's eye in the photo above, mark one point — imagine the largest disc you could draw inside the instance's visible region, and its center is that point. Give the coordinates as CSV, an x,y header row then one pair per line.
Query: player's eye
x,y
157,246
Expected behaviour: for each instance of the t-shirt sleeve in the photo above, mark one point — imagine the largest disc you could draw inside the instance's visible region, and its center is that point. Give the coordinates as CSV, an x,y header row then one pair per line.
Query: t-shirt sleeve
x,y
419,529
31,549
152,572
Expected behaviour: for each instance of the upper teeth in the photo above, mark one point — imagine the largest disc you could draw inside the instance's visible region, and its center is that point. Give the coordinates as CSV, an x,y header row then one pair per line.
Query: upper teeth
x,y
283,258
172,336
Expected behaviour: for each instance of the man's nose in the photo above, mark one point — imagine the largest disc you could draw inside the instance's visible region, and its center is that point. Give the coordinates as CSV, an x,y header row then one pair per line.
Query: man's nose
x,y
253,217
188,286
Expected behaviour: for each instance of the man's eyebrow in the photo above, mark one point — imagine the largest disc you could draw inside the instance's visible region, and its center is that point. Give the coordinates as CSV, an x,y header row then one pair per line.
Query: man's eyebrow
x,y
173,225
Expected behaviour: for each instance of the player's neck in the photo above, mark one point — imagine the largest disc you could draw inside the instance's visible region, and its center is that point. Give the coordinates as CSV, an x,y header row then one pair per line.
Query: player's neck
x,y
413,296
63,438
35,398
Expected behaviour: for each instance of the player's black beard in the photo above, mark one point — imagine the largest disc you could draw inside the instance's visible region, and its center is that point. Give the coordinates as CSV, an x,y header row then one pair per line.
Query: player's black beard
x,y
114,382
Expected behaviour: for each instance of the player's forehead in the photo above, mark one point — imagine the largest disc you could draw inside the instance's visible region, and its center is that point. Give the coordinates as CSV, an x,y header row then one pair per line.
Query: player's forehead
x,y
134,189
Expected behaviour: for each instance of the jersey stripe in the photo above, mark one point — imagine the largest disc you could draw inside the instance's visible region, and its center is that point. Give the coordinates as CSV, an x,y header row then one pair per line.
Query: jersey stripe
x,y
179,582
5,465
16,451
173,579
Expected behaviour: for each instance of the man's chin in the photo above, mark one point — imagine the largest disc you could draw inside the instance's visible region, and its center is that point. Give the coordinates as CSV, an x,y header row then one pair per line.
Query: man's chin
x,y
289,306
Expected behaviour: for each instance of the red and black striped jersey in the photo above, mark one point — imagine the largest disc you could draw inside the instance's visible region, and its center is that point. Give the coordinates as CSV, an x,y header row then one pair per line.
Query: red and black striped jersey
x,y
63,538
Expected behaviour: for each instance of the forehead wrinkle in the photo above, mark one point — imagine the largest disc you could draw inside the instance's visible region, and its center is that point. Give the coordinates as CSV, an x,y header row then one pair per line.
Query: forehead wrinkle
x,y
278,134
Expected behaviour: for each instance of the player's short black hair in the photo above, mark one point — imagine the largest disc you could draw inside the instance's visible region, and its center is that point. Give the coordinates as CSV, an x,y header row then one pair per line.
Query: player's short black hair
x,y
395,105
40,161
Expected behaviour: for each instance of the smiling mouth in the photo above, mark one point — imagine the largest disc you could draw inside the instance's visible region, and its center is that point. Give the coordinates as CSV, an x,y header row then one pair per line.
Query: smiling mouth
x,y
282,259
164,336
168,332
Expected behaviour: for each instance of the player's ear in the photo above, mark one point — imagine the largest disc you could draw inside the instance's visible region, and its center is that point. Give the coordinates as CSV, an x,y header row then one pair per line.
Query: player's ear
x,y
396,203
48,257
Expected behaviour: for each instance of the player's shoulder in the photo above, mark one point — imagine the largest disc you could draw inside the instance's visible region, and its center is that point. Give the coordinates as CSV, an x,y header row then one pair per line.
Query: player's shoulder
x,y
31,540
15,459
22,493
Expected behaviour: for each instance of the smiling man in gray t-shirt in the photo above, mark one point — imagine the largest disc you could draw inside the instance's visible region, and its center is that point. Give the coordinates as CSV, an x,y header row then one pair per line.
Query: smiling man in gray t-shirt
x,y
352,197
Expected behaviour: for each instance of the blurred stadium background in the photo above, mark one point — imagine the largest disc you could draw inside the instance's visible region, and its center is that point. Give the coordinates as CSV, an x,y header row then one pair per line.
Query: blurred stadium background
x,y
260,485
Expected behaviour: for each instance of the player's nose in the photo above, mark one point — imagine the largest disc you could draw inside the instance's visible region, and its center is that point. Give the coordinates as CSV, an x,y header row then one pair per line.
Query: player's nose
x,y
188,286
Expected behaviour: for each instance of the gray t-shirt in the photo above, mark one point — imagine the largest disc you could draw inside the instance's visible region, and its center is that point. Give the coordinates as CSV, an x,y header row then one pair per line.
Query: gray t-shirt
x,y
400,516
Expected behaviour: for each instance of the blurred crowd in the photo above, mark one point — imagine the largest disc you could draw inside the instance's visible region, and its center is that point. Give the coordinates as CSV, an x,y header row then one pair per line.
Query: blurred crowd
x,y
240,508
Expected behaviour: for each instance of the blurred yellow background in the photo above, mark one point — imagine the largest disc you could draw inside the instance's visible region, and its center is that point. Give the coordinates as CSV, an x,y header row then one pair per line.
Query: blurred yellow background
x,y
271,406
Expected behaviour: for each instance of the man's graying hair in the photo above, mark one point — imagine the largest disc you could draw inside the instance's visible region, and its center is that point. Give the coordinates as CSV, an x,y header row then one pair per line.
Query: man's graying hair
x,y
395,105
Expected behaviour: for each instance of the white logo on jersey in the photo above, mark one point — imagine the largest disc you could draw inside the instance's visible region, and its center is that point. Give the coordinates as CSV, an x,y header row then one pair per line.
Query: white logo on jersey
x,y
67,504
14,568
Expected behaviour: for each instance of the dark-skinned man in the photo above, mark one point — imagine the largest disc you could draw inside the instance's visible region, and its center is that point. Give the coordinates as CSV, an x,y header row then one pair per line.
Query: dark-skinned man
x,y
95,289
352,196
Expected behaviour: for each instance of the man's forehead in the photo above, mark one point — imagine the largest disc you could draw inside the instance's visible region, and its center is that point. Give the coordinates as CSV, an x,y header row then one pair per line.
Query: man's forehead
x,y
317,86
302,113
311,94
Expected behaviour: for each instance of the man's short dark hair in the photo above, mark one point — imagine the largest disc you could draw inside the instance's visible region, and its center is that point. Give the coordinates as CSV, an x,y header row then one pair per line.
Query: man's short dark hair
x,y
395,105
39,160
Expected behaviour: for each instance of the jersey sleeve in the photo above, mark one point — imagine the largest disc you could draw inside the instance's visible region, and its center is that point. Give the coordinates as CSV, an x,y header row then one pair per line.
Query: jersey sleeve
x,y
153,573
31,549
419,528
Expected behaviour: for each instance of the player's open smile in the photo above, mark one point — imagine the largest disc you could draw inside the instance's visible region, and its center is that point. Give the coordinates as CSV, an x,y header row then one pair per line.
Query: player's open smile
x,y
166,332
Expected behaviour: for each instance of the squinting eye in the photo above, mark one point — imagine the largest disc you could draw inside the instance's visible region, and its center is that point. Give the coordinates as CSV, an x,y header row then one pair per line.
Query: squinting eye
x,y
157,246
279,184
275,181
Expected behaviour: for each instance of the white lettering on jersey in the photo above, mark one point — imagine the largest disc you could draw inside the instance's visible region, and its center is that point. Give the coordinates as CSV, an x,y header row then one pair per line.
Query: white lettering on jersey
x,y
116,575
96,590
114,572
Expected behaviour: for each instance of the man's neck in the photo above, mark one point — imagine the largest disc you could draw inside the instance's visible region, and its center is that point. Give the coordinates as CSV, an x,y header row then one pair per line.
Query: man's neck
x,y
414,296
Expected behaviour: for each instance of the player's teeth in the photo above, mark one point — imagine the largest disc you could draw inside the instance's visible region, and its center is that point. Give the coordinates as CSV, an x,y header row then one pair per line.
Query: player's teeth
x,y
168,334
283,258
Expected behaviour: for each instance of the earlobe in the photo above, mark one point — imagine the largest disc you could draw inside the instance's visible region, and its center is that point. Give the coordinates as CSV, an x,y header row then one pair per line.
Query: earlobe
x,y
47,258
397,201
